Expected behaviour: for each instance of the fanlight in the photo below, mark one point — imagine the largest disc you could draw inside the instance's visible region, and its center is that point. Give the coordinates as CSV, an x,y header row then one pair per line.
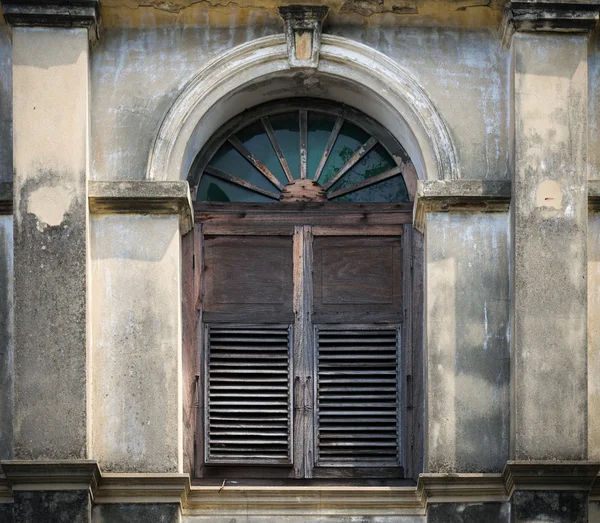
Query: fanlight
x,y
302,150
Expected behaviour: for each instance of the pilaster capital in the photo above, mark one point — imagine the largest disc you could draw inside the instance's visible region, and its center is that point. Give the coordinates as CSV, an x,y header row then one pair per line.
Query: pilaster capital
x,y
54,13
549,16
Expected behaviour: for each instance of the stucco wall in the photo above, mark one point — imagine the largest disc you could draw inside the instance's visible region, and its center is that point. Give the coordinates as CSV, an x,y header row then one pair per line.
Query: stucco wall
x,y
466,281
136,74
594,107
6,337
6,169
136,343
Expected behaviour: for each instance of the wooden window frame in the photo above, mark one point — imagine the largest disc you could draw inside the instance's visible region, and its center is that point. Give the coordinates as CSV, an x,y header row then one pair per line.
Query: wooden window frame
x,y
303,221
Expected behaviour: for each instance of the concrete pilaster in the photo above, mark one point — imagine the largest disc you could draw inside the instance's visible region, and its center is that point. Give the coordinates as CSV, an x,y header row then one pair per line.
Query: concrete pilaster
x,y
549,235
50,122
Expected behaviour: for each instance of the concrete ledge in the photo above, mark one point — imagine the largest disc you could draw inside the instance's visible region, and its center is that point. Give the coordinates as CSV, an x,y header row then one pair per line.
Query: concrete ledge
x,y
143,488
286,501
550,475
463,488
6,198
549,16
143,197
459,195
54,13
52,475
231,500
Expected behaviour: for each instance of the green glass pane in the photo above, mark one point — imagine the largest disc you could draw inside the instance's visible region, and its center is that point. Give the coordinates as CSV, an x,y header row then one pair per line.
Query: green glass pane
x,y
351,137
228,160
388,191
287,131
320,126
255,138
375,162
213,189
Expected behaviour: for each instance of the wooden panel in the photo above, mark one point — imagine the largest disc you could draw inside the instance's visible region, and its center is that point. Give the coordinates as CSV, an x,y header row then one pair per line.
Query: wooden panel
x,y
252,273
248,395
358,397
357,274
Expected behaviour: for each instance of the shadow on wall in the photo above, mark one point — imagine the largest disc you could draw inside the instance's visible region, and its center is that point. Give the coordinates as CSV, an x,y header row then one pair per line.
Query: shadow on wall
x,y
468,352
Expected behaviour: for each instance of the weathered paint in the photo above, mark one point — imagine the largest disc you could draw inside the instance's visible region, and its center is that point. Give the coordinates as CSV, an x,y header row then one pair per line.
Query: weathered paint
x,y
303,519
465,74
51,95
6,337
467,363
468,513
136,343
550,219
5,105
136,513
456,13
593,107
138,73
593,363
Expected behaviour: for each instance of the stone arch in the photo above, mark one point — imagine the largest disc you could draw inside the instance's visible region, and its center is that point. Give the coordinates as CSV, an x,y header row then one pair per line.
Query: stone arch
x,y
259,71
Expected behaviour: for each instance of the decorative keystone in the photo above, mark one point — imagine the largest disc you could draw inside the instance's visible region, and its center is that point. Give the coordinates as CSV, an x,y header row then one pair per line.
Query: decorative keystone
x,y
303,27
554,16
54,13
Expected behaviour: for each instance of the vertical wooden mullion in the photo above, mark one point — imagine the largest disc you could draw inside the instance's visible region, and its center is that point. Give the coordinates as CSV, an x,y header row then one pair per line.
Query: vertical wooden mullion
x,y
198,285
406,414
303,143
302,354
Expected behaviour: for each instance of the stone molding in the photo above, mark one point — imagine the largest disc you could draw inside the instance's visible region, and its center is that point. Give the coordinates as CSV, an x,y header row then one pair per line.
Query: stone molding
x,y
554,16
459,195
462,488
6,198
143,488
303,27
550,475
52,475
265,58
234,500
143,197
54,13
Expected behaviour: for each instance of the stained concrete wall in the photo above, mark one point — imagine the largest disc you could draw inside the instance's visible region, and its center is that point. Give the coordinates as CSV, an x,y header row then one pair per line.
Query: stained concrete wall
x,y
136,74
6,337
6,170
467,362
301,519
468,513
136,513
593,363
136,343
594,107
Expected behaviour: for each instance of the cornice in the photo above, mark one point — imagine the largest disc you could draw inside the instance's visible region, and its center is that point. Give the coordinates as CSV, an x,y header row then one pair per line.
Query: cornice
x,y
550,475
143,197
143,488
52,475
462,488
232,500
54,13
459,195
6,198
549,16
348,501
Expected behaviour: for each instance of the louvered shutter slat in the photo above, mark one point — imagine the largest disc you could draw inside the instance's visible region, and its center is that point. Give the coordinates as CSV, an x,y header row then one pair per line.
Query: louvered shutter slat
x,y
357,397
248,400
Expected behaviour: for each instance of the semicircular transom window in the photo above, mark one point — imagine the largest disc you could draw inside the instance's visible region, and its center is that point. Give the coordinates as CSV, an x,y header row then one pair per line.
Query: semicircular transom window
x,y
298,151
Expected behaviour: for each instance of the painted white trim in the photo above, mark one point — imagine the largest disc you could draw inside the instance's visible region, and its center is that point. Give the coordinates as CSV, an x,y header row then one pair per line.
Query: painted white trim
x,y
409,113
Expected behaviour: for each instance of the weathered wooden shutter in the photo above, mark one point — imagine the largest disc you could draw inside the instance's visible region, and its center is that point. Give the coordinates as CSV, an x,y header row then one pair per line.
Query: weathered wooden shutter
x,y
358,421
248,395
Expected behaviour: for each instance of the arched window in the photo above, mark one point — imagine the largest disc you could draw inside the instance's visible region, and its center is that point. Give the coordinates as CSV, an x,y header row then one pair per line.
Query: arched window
x,y
302,210
302,149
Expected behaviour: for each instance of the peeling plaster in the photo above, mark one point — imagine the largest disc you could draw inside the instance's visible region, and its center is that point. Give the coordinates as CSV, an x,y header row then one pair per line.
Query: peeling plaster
x,y
49,205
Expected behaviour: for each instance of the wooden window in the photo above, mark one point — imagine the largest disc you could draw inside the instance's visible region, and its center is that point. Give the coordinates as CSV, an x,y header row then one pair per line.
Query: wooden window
x,y
304,357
